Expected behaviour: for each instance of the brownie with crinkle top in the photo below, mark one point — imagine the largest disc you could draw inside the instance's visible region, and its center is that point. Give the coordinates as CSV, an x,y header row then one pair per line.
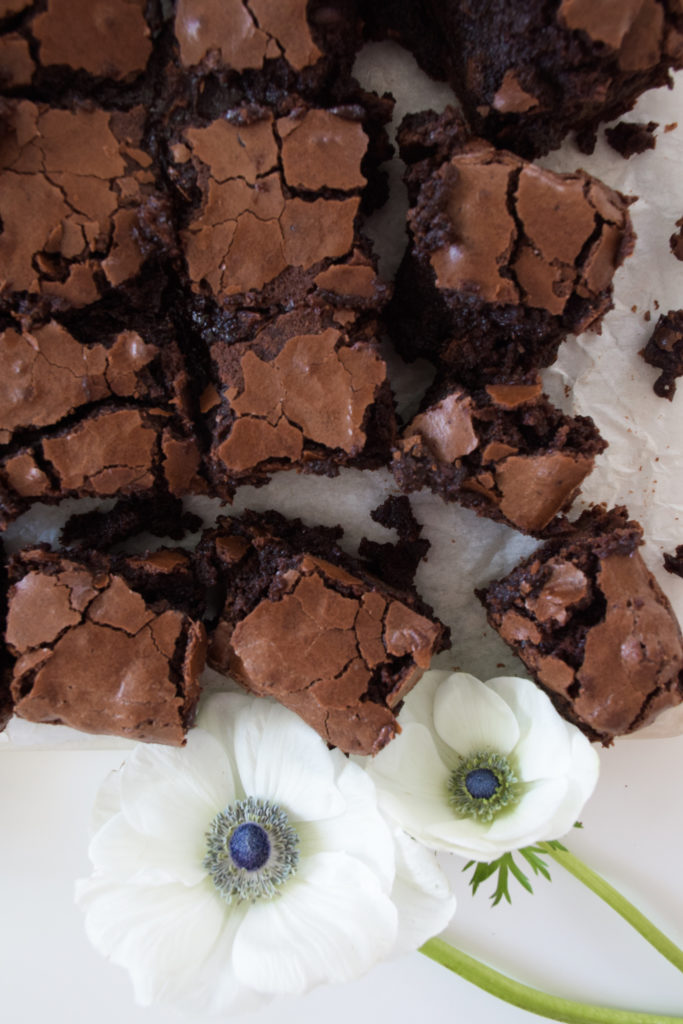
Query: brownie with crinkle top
x,y
93,410
503,450
592,625
106,645
269,202
304,391
505,258
293,44
530,72
79,205
67,44
305,624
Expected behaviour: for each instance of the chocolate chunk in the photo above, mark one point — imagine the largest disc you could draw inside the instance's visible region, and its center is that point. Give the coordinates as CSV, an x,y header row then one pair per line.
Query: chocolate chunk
x,y
503,450
592,625
631,137
665,351
92,653
317,633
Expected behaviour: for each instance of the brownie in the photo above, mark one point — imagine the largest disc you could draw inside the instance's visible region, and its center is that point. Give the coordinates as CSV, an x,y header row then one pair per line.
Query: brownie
x,y
664,350
503,450
271,205
592,625
676,240
105,645
102,418
104,40
307,625
530,72
304,392
296,43
79,207
505,258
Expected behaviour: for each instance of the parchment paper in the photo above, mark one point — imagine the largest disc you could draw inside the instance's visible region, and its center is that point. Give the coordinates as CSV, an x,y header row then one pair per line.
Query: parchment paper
x,y
598,375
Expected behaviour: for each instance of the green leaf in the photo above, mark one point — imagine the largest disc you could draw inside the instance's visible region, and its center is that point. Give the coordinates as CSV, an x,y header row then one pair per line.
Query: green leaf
x,y
505,866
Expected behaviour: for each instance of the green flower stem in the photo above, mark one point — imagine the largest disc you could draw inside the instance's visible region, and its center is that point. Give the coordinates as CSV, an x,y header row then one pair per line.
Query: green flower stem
x,y
532,999
617,902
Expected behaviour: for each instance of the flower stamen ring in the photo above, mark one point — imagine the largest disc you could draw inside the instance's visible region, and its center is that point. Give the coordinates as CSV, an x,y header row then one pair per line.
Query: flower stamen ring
x,y
482,785
251,850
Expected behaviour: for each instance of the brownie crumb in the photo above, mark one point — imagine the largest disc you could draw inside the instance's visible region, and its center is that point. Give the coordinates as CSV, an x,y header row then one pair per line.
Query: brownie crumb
x,y
674,563
160,516
396,563
676,240
664,350
631,137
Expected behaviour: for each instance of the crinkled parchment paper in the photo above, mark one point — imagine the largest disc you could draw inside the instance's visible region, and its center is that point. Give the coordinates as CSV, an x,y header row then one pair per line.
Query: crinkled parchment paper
x,y
598,375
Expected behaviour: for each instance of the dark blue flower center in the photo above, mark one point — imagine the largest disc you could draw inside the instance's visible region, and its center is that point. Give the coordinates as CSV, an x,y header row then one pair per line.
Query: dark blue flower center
x,y
249,846
481,783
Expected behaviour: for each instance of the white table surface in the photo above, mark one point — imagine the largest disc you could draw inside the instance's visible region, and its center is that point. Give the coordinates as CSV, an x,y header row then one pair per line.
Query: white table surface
x,y
561,939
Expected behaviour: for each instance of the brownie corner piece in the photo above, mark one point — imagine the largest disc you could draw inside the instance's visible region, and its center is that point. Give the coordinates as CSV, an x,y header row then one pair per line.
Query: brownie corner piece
x,y
100,648
592,625
308,626
530,73
503,450
505,258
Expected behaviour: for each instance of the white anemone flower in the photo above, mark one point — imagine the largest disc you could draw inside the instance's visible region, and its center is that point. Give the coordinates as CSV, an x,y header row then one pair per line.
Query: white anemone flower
x,y
481,769
250,863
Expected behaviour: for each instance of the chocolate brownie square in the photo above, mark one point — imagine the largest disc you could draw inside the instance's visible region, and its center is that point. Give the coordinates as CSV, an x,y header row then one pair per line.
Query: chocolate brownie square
x,y
503,450
303,392
530,72
54,44
591,624
110,646
307,625
92,418
293,43
79,207
270,202
505,258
